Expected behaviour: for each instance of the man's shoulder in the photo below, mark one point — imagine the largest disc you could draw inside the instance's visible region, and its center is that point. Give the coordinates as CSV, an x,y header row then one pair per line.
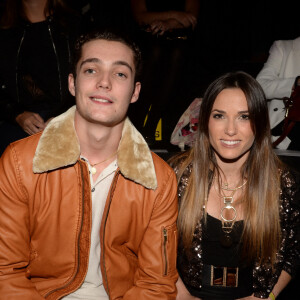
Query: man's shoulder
x,y
23,149
162,168
159,160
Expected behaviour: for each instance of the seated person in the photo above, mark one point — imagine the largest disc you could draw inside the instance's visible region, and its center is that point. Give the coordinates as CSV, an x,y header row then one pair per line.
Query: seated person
x,y
238,223
277,79
36,37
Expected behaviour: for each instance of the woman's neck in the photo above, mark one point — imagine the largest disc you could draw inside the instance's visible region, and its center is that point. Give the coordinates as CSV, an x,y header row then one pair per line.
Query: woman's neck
x,y
231,170
34,10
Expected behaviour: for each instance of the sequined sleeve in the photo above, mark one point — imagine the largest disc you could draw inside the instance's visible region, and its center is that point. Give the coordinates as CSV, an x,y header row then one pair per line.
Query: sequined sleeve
x,y
288,257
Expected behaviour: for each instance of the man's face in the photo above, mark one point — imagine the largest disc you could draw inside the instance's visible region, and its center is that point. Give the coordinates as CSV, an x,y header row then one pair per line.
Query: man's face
x,y
104,86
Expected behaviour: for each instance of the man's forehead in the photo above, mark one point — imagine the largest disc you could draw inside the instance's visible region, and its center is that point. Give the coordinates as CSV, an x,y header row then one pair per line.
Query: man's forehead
x,y
107,50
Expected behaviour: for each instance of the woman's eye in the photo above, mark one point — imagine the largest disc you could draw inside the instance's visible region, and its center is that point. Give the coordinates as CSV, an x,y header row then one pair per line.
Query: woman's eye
x,y
245,117
217,116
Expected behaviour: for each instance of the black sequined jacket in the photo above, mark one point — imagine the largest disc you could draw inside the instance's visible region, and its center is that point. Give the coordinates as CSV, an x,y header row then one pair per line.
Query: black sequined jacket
x,y
288,257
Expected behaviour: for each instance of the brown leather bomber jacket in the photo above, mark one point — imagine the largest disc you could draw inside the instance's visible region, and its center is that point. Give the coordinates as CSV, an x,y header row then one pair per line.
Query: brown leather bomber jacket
x,y
45,219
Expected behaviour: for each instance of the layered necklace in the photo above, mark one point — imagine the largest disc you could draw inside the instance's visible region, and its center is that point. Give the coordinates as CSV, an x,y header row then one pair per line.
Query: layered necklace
x,y
93,166
228,212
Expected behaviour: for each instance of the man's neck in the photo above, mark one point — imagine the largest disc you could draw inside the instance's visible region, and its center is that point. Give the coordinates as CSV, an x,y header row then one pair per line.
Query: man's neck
x,y
34,10
97,142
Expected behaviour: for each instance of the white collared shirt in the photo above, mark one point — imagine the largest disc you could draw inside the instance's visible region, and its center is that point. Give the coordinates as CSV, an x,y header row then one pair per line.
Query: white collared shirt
x,y
92,287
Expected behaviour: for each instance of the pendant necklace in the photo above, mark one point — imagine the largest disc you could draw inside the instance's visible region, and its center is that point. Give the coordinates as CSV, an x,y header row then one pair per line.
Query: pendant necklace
x,y
94,169
228,223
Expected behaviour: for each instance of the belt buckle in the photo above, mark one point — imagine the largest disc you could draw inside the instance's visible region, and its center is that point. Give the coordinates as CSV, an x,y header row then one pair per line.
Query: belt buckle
x,y
224,276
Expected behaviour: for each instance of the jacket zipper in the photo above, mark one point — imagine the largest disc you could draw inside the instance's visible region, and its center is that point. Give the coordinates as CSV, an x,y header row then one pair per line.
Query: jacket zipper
x,y
113,186
78,248
17,66
165,235
57,61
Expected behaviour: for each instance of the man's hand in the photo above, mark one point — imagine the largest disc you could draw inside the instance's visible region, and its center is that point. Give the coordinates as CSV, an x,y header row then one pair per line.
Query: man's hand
x,y
30,122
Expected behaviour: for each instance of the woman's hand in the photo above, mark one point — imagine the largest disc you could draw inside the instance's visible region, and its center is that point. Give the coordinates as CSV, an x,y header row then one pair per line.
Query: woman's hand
x,y
30,122
182,292
250,298
160,27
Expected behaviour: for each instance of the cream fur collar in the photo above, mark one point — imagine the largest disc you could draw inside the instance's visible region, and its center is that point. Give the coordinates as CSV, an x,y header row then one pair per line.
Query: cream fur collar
x,y
59,147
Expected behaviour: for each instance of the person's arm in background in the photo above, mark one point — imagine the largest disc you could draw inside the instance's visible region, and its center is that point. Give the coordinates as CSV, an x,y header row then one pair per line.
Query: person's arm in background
x,y
160,22
274,86
30,122
12,112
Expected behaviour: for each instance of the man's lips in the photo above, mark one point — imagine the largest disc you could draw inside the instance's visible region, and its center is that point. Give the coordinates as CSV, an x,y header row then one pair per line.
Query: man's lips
x,y
101,99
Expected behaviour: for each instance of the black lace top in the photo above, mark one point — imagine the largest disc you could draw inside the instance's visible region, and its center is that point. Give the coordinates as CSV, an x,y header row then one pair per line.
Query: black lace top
x,y
288,258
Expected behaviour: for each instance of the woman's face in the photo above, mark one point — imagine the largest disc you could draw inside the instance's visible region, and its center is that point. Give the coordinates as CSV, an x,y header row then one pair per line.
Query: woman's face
x,y
230,132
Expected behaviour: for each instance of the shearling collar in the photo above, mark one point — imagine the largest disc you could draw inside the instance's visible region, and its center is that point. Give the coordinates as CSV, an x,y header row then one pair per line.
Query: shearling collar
x,y
59,147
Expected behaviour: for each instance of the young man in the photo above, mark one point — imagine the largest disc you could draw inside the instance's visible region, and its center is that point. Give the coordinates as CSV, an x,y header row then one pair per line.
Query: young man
x,y
86,210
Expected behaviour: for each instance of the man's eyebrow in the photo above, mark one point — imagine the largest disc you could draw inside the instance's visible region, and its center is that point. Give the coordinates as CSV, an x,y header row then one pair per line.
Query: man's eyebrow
x,y
123,63
97,60
89,60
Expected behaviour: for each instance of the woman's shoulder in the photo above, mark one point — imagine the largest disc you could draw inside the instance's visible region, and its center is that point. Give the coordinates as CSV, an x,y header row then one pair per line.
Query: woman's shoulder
x,y
289,178
290,186
177,160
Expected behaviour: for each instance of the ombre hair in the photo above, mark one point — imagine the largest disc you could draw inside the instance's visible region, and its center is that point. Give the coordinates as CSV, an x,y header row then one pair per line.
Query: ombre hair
x,y
260,202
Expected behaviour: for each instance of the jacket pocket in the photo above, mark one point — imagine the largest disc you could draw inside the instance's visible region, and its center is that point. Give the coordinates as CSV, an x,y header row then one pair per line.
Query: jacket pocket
x,y
169,249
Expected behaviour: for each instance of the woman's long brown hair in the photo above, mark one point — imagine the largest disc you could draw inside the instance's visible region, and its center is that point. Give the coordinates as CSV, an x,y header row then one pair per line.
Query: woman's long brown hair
x,y
261,235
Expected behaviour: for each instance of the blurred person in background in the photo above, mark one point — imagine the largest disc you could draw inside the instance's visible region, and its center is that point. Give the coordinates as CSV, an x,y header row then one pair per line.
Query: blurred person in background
x,y
36,39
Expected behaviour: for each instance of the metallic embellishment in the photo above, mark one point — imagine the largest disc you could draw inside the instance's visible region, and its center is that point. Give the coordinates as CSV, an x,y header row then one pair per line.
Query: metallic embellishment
x,y
224,276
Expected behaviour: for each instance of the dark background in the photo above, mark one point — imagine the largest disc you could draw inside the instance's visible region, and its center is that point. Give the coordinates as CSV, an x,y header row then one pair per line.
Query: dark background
x,y
231,35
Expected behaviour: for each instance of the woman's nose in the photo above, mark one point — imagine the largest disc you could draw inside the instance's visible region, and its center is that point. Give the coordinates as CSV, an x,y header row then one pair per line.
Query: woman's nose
x,y
231,128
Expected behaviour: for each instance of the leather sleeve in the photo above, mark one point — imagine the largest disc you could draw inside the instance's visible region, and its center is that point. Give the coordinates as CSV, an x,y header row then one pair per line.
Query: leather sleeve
x,y
14,231
156,275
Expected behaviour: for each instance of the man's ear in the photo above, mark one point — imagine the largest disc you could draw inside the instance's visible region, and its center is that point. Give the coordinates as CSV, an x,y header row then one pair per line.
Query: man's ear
x,y
71,81
136,92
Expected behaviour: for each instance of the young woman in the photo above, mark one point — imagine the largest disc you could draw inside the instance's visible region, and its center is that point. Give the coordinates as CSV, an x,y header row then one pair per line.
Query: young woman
x,y
239,205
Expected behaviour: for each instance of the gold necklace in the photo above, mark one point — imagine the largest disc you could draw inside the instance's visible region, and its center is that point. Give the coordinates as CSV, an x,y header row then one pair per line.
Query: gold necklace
x,y
227,224
94,169
226,188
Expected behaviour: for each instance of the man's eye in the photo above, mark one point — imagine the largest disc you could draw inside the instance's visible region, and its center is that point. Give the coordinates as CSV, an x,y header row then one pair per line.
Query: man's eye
x,y
122,75
89,71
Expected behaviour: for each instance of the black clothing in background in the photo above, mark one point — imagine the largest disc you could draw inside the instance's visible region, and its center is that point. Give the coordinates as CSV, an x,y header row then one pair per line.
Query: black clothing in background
x,y
168,65
34,66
